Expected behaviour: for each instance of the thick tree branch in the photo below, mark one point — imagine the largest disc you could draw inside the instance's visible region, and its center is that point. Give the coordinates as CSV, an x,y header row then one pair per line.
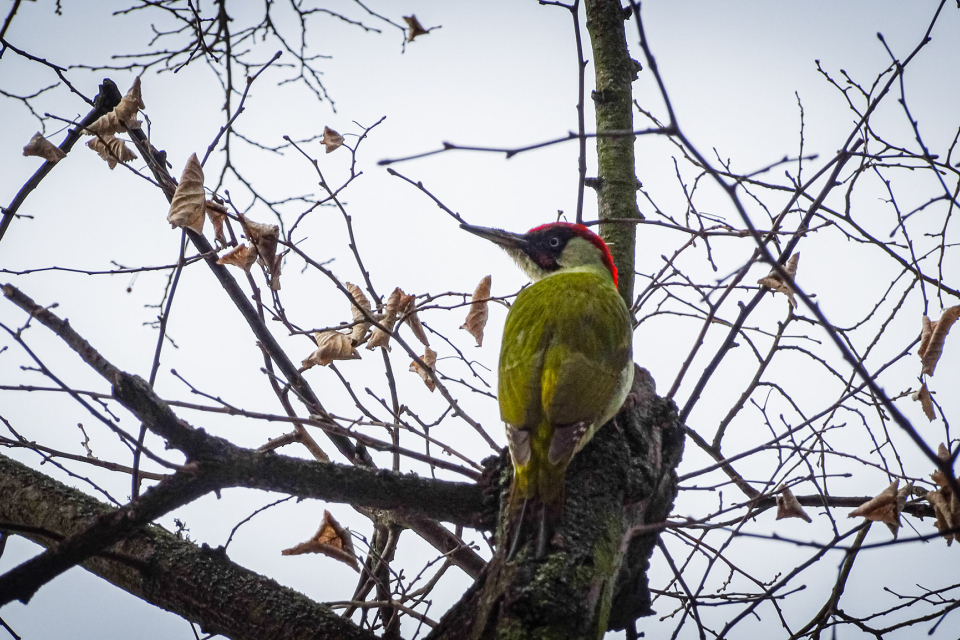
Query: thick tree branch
x,y
199,584
232,466
226,465
443,540
22,582
456,502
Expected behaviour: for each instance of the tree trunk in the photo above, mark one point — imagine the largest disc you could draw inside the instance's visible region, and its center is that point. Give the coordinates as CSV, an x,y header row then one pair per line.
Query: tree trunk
x,y
594,579
616,182
618,489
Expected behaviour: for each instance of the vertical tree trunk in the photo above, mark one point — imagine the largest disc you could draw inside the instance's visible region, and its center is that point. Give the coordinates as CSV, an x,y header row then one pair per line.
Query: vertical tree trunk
x,y
594,577
613,99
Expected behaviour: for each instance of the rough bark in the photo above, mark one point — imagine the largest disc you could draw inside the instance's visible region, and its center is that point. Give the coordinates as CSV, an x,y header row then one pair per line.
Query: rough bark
x,y
622,483
198,583
616,182
594,579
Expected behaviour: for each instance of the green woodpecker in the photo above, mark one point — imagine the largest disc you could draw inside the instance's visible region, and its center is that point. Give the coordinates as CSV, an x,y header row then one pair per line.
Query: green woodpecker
x,y
565,362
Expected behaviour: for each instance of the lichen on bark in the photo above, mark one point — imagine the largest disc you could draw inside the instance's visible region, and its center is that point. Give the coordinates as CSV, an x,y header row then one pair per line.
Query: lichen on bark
x,y
616,183
594,577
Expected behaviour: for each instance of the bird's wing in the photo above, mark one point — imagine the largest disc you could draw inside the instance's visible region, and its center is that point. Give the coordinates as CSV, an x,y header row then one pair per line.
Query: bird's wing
x,y
567,372
584,362
521,360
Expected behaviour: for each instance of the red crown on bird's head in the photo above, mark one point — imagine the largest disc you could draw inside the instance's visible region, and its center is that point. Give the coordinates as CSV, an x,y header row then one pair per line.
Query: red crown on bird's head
x,y
588,235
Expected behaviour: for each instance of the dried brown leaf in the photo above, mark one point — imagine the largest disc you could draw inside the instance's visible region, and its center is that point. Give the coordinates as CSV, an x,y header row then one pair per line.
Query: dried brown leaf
x,y
378,337
409,306
923,396
945,504
885,507
110,124
944,454
946,516
131,104
332,540
775,282
265,238
124,115
217,214
429,358
243,256
926,332
932,337
477,317
789,507
112,149
43,148
359,330
331,345
106,125
189,200
331,140
792,264
416,29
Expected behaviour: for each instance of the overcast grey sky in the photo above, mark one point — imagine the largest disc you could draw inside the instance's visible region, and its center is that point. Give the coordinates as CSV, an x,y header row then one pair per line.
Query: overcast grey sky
x,y
495,74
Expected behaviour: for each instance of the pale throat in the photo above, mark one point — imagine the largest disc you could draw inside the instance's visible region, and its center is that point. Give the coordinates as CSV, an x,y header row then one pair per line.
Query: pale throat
x,y
578,255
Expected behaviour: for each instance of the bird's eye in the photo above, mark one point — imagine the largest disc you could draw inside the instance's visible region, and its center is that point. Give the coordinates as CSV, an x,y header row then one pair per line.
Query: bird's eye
x,y
554,242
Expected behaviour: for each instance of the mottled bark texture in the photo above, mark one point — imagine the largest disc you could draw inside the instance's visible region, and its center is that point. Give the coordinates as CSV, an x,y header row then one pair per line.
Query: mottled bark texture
x,y
594,577
200,584
616,182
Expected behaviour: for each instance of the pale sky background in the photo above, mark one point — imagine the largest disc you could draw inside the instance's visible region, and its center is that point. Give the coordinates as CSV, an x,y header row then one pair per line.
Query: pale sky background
x,y
496,74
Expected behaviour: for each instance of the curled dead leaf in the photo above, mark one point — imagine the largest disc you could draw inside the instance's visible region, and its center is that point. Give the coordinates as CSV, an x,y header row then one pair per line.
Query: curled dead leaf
x,y
408,304
131,104
331,140
789,507
217,214
775,282
932,336
923,396
477,317
416,29
43,148
429,358
331,540
945,504
112,150
265,238
379,337
123,117
243,256
106,125
885,507
331,345
189,200
948,515
359,330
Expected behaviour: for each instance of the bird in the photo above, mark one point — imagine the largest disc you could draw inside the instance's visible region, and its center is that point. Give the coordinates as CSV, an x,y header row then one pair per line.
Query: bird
x,y
566,362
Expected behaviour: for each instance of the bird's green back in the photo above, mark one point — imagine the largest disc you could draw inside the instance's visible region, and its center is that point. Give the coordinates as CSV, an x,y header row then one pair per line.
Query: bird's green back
x,y
566,347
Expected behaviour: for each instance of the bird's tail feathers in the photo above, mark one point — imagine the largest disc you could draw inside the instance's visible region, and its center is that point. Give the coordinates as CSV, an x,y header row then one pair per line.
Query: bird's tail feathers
x,y
533,500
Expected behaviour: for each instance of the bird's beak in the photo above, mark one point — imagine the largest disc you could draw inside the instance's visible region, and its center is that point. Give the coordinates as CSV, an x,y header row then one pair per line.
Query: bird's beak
x,y
499,237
